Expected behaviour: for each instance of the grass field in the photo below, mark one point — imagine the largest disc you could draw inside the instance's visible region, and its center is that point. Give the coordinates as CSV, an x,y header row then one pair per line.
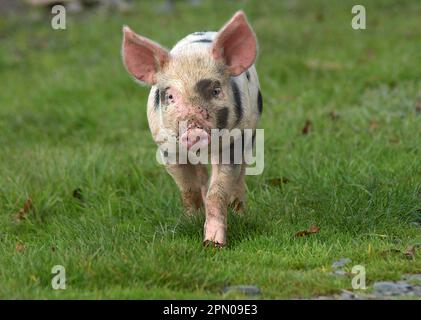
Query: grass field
x,y
74,138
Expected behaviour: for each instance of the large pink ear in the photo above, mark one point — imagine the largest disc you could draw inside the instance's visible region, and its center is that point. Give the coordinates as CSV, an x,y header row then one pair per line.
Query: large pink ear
x,y
142,57
236,44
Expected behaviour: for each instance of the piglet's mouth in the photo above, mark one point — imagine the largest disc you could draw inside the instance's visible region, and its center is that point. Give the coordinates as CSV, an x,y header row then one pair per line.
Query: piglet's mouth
x,y
195,135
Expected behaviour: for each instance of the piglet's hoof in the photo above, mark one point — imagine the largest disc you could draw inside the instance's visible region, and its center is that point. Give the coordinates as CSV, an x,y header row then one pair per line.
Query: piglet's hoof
x,y
213,244
214,233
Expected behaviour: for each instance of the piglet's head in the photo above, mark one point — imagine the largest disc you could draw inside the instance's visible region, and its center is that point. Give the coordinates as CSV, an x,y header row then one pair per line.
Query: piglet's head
x,y
194,83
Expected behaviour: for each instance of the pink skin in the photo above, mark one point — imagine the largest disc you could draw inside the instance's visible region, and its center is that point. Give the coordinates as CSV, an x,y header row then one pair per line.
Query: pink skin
x,y
198,124
236,44
198,137
142,57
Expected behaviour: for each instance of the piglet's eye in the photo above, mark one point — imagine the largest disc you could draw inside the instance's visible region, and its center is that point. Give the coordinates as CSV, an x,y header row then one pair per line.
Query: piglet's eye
x,y
169,98
216,92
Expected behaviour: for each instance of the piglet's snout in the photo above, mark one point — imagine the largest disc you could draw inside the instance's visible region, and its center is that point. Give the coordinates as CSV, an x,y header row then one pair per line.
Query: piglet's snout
x,y
195,136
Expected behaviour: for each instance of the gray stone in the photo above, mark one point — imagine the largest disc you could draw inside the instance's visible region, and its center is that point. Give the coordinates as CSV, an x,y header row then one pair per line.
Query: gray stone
x,y
243,289
74,7
388,288
385,288
339,272
348,295
340,263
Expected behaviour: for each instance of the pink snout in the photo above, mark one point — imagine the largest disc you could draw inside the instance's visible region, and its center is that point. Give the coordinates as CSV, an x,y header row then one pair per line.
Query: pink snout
x,y
195,136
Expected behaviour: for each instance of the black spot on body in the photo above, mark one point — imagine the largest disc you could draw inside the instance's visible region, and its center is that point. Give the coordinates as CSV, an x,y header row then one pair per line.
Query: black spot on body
x,y
222,118
260,102
237,145
248,75
244,143
237,101
157,98
202,40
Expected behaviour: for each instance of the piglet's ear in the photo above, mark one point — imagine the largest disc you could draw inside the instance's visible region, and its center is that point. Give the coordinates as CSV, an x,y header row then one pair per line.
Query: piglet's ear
x,y
236,44
142,57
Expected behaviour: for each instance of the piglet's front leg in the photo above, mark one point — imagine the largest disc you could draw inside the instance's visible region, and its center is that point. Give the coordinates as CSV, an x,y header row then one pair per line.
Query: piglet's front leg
x,y
222,184
192,182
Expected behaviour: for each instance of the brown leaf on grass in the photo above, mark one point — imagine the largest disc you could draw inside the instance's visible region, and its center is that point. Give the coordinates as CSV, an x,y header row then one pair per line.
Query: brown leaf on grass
x,y
410,252
20,246
418,107
394,140
320,17
308,126
367,56
23,213
77,193
287,98
333,115
373,125
277,181
313,229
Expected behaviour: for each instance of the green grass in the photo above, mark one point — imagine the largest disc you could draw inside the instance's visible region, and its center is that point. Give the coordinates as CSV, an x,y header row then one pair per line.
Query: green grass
x,y
70,117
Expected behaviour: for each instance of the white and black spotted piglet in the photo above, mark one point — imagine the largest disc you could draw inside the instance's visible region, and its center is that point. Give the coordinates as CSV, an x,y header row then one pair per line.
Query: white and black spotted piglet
x,y
208,80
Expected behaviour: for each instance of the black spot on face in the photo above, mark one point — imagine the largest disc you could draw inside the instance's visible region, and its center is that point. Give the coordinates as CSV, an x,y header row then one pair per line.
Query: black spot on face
x,y
157,99
260,102
237,101
207,87
222,118
163,97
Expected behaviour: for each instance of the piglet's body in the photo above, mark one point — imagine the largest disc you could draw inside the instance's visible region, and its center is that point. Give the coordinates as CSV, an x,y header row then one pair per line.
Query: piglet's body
x,y
207,81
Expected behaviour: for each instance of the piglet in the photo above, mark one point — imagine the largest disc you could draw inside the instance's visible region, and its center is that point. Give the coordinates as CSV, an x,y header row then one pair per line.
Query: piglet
x,y
207,81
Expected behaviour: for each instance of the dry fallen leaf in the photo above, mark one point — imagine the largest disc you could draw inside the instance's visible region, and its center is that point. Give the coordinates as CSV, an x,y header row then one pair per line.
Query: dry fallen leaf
x,y
308,126
20,247
313,229
418,107
394,140
333,115
320,17
373,125
277,181
77,193
23,213
410,252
